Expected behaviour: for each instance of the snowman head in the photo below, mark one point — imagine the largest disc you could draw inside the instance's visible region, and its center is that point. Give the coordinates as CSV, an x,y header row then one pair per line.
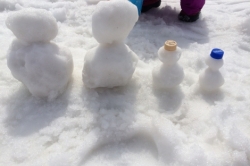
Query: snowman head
x,y
113,20
32,25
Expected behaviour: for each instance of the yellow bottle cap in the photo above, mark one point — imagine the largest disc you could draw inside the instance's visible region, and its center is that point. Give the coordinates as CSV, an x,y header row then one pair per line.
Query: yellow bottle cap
x,y
170,45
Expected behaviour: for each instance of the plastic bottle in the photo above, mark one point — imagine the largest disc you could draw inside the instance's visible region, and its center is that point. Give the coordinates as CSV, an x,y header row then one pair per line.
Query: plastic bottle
x,y
169,74
211,78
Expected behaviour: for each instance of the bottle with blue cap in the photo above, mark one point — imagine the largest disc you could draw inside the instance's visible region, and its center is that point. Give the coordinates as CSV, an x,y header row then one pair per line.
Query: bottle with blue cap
x,y
211,78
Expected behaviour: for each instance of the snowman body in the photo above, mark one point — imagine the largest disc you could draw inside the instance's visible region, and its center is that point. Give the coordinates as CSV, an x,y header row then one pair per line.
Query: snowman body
x,y
109,66
169,74
111,63
42,66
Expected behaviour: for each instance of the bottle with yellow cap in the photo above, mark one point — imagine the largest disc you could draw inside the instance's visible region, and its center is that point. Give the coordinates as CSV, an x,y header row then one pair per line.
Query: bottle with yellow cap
x,y
169,74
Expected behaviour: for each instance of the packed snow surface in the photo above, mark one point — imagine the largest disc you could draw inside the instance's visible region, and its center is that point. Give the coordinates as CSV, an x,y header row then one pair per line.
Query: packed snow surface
x,y
134,125
109,65
113,20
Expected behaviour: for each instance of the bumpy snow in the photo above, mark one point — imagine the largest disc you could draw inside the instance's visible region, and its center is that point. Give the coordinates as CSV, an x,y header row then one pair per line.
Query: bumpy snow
x,y
6,5
134,125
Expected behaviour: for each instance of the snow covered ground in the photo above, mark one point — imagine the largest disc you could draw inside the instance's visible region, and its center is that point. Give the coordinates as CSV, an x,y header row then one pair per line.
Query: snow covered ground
x,y
134,125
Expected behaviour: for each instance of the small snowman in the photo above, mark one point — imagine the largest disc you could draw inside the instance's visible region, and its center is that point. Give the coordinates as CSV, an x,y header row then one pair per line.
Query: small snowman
x,y
111,63
211,79
169,74
42,66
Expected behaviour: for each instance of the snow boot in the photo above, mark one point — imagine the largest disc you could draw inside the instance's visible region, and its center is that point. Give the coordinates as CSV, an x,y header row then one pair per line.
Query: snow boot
x,y
149,4
188,18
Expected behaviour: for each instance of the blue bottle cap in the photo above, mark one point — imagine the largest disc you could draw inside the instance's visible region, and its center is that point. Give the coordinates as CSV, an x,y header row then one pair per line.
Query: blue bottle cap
x,y
217,53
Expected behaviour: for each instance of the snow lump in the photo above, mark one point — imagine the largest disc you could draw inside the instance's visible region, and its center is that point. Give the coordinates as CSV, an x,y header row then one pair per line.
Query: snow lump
x,y
33,25
42,66
113,20
111,63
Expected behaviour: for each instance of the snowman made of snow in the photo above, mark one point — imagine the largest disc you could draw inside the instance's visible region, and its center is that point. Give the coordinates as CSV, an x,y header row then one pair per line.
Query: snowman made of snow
x,y
111,63
42,66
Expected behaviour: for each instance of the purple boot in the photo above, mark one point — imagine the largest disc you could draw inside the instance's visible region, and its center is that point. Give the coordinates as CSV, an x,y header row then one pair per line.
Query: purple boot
x,y
190,10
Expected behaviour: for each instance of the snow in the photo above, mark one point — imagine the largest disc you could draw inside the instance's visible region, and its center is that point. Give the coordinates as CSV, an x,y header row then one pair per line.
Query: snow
x,y
33,25
44,68
134,124
112,63
6,5
109,65
59,14
113,20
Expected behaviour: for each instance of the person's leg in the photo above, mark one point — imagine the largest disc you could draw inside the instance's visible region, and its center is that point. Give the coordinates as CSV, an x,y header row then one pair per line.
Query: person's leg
x,y
192,7
190,10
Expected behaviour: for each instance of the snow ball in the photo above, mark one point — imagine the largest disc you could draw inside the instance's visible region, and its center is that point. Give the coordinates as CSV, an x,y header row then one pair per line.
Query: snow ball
x,y
113,20
33,25
44,68
108,66
59,14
